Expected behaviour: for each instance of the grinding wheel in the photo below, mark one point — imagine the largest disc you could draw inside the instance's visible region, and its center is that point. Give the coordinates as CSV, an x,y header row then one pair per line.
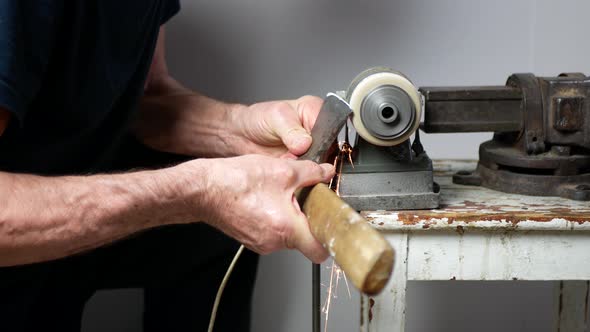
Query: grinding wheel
x,y
386,106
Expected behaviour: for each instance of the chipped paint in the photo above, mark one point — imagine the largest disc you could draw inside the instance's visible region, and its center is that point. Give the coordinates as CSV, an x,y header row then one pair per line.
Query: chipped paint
x,y
362,313
371,305
482,234
472,207
485,223
571,307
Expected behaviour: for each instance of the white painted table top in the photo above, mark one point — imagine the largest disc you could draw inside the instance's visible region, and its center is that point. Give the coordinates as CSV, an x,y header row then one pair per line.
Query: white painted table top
x,y
473,207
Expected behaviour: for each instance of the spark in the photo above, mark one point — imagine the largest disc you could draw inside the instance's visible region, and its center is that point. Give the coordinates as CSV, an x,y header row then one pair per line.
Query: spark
x,y
344,153
336,273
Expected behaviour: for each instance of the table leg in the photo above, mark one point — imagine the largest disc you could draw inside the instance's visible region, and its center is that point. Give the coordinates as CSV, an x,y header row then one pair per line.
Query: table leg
x,y
387,311
572,306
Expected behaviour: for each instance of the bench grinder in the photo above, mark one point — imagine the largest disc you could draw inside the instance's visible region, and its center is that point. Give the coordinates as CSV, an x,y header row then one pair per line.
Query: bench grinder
x,y
388,172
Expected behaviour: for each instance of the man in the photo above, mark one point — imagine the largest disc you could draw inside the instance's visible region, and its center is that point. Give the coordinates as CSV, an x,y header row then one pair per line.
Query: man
x,y
77,80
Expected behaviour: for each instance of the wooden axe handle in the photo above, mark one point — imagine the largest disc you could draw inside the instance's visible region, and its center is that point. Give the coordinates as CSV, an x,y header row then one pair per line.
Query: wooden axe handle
x,y
361,251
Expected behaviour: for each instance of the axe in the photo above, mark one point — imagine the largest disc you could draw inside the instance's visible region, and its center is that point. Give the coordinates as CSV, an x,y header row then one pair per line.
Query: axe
x,y
361,252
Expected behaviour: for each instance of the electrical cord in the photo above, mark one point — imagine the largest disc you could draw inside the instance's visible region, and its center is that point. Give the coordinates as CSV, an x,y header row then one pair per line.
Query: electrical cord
x,y
222,288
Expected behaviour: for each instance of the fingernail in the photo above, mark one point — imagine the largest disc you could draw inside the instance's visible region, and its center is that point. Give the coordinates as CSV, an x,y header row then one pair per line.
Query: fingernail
x,y
301,139
328,169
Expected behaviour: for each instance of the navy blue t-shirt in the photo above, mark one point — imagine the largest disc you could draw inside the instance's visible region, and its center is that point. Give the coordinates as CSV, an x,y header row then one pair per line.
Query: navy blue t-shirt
x,y
71,74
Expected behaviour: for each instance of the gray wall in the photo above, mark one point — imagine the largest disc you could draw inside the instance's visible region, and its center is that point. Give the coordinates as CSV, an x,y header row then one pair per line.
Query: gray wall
x,y
252,50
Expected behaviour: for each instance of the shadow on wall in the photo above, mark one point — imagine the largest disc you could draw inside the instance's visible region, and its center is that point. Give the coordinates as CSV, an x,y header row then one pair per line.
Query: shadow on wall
x,y
119,310
276,306
199,56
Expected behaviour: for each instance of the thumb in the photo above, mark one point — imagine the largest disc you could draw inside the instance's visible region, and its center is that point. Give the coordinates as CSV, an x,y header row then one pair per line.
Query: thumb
x,y
290,130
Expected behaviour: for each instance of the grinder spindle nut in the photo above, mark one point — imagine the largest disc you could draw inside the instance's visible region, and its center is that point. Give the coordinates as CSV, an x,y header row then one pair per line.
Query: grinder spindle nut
x,y
386,106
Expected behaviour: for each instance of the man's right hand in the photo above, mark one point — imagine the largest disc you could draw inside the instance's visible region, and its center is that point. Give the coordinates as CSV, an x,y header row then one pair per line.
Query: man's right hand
x,y
251,198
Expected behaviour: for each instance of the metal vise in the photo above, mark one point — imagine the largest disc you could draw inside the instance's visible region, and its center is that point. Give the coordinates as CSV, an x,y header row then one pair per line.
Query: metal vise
x,y
541,125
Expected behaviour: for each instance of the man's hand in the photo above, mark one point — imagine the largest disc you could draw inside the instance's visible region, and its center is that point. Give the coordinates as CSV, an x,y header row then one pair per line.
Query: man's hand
x,y
276,128
175,119
251,198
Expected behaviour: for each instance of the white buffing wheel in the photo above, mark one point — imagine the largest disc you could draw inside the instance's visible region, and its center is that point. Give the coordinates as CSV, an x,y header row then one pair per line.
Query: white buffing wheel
x,y
370,80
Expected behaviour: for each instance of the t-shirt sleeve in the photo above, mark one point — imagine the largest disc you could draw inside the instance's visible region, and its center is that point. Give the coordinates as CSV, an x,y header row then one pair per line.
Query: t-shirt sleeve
x,y
27,33
172,7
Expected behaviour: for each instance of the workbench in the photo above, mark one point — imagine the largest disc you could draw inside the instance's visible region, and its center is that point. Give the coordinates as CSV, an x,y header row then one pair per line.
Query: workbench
x,y
482,234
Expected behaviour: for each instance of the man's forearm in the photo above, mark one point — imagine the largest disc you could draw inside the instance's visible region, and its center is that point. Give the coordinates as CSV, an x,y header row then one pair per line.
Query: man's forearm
x,y
174,119
45,218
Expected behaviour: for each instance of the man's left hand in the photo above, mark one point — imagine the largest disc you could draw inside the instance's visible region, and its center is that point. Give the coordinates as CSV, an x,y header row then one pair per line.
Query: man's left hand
x,y
277,128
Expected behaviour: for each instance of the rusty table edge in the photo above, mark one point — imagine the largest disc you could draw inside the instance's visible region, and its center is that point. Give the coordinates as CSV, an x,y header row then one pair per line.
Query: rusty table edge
x,y
476,208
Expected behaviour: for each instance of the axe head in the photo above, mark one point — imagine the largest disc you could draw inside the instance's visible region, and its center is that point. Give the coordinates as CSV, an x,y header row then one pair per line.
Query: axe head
x,y
331,119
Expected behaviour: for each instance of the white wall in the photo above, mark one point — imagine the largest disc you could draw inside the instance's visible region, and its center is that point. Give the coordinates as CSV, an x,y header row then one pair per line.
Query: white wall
x,y
252,50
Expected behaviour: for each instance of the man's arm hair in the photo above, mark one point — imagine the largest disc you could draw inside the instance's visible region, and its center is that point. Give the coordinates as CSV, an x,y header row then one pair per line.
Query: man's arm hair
x,y
46,218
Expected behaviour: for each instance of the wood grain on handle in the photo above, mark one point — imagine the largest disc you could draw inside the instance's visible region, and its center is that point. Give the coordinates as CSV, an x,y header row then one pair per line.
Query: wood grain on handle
x,y
362,252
